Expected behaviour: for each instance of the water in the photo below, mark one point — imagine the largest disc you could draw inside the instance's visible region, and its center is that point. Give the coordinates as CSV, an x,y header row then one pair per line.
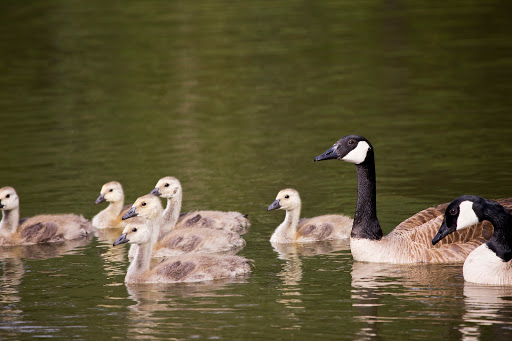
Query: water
x,y
236,99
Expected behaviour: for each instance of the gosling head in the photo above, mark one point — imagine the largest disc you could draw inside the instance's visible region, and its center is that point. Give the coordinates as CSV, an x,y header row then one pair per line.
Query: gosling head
x,y
463,212
287,199
168,187
147,206
111,191
134,234
8,199
352,148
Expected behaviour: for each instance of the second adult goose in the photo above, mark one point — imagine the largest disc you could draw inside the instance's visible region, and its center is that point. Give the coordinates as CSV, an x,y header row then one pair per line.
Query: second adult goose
x,y
170,188
306,230
491,262
192,240
409,242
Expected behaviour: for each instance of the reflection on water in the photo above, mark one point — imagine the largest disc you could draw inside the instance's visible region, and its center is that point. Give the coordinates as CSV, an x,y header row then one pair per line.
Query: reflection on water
x,y
291,274
486,306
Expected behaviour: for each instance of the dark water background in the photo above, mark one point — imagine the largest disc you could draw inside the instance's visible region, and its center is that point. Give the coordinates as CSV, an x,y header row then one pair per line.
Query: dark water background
x,y
236,99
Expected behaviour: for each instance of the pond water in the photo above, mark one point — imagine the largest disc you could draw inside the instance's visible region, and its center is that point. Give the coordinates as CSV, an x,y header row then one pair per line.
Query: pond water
x,y
236,99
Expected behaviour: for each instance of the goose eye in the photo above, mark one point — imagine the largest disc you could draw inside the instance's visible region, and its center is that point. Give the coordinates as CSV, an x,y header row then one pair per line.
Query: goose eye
x,y
286,196
134,229
110,190
453,211
351,142
8,196
166,185
143,204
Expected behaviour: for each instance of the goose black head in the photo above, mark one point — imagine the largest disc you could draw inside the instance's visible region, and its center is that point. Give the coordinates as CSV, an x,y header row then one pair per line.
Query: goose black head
x,y
350,148
462,212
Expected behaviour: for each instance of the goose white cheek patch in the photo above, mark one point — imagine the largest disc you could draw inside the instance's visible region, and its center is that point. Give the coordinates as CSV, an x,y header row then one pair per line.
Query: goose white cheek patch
x,y
358,154
467,216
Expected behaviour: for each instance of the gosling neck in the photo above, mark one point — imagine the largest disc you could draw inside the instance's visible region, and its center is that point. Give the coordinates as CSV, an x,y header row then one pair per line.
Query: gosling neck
x,y
501,240
366,225
171,214
141,261
115,208
10,220
287,231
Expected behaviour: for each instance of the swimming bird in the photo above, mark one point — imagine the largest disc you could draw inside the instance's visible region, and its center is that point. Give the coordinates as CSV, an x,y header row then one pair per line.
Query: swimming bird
x,y
110,217
306,230
410,241
47,228
185,268
170,188
191,240
491,262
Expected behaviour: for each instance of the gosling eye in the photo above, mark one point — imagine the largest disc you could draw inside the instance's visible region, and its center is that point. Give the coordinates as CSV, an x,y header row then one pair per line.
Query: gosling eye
x,y
110,190
351,142
453,211
134,229
166,185
286,196
143,204
8,196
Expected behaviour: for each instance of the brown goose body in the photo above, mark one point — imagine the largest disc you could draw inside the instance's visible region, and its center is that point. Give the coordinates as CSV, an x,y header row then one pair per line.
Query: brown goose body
x,y
411,241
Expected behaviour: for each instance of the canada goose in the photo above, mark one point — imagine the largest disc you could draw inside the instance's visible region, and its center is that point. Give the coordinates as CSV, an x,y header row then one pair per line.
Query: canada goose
x,y
39,229
491,262
185,268
170,188
192,240
409,242
306,230
110,217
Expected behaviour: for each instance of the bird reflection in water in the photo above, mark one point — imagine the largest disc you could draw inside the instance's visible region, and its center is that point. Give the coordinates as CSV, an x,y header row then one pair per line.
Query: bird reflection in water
x,y
153,299
371,282
487,307
291,273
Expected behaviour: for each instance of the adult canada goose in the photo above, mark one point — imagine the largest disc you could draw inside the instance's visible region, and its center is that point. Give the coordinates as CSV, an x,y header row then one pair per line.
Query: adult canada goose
x,y
186,268
111,217
306,230
409,242
192,240
491,262
170,188
38,229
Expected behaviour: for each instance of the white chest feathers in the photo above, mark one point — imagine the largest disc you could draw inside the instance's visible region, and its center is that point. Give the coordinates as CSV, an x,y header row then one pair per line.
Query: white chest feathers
x,y
483,267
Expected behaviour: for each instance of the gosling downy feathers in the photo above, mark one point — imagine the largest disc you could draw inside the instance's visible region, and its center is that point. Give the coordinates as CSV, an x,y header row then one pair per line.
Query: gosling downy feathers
x,y
110,217
306,230
491,262
192,240
409,242
170,188
38,229
185,268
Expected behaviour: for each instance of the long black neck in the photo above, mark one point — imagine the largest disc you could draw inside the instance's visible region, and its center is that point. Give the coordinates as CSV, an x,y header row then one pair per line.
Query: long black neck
x,y
501,240
366,225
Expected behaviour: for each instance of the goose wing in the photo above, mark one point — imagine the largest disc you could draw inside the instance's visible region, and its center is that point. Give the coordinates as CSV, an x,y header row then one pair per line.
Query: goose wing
x,y
421,228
